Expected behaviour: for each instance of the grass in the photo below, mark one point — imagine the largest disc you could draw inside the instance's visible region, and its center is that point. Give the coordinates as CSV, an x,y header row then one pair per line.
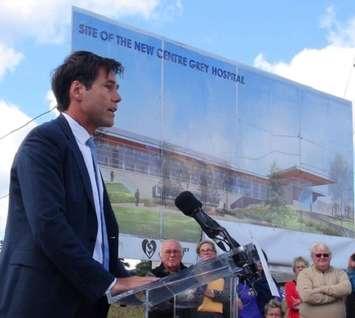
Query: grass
x,y
139,221
345,223
181,227
118,193
285,217
150,222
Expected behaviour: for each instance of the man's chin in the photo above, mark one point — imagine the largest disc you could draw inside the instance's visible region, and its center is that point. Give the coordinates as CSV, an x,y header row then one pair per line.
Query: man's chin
x,y
107,124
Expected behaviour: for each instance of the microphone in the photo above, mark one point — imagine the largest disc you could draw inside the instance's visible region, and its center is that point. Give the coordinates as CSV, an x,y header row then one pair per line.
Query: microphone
x,y
187,203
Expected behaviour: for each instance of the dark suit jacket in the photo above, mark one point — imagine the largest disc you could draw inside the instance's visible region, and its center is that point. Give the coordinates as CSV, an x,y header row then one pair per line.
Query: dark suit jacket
x,y
46,265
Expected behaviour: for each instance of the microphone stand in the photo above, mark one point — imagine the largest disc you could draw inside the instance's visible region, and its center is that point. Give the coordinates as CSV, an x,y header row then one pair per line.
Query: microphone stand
x,y
221,237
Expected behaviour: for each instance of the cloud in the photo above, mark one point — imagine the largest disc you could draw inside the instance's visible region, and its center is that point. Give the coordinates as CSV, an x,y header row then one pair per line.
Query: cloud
x,y
9,59
167,10
329,69
11,118
49,21
52,103
338,34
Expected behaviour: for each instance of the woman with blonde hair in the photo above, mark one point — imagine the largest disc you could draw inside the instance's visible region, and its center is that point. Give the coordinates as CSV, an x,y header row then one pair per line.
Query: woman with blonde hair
x,y
292,297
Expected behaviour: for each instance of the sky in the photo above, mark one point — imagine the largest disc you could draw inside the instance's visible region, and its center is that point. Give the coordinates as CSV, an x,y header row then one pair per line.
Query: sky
x,y
311,42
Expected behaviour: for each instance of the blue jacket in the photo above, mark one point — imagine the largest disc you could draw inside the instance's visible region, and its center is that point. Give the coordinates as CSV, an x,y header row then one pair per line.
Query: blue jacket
x,y
248,298
46,263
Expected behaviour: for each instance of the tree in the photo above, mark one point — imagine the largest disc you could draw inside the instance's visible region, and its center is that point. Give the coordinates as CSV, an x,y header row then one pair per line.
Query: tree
x,y
208,190
183,176
342,190
275,196
166,178
143,268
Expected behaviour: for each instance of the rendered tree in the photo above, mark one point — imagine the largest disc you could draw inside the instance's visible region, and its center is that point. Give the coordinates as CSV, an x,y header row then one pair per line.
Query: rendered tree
x,y
165,175
143,268
183,176
275,196
208,189
342,190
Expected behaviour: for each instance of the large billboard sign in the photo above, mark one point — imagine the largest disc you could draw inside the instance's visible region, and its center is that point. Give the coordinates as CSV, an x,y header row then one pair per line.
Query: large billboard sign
x,y
256,149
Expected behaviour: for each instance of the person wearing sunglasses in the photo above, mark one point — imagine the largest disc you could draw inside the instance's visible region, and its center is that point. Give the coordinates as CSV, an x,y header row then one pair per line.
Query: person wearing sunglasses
x,y
322,287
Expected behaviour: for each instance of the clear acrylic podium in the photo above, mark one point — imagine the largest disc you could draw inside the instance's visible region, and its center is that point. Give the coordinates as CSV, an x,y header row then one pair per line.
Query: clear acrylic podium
x,y
181,294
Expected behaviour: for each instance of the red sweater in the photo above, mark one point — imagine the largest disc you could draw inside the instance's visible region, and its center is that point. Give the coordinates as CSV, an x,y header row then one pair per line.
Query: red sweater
x,y
292,297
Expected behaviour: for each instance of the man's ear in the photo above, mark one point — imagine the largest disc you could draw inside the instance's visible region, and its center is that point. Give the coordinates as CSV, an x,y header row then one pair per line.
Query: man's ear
x,y
76,91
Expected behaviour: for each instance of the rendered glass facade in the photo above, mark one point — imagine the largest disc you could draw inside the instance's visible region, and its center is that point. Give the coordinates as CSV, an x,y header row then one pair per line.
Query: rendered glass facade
x,y
254,147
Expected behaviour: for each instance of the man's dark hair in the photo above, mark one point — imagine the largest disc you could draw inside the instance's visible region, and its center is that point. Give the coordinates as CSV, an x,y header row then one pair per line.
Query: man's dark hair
x,y
79,66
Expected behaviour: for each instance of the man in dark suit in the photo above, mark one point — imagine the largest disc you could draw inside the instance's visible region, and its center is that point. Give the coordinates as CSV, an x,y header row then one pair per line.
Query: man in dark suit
x,y
60,253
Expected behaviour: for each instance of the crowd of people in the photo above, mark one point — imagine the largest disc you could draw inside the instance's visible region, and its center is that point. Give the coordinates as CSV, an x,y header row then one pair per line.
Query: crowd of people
x,y
317,290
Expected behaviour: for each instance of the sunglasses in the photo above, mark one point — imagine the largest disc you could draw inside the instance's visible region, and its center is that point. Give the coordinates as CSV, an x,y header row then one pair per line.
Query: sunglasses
x,y
319,255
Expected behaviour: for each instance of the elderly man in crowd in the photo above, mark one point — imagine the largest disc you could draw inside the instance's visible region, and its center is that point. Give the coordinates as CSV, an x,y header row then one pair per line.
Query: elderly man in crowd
x,y
322,288
171,254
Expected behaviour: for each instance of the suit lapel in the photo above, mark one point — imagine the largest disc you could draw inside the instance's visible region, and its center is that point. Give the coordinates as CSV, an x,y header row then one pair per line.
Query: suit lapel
x,y
78,157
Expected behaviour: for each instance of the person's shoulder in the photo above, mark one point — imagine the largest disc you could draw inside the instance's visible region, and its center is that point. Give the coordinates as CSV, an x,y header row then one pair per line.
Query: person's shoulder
x,y
49,135
50,127
305,274
183,266
159,271
53,131
307,271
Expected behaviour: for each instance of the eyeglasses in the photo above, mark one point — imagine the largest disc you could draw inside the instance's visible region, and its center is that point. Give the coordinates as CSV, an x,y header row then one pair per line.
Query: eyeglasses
x,y
172,252
319,255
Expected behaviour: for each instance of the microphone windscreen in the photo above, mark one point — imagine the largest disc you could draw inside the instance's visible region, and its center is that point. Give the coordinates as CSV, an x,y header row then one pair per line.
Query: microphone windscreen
x,y
187,203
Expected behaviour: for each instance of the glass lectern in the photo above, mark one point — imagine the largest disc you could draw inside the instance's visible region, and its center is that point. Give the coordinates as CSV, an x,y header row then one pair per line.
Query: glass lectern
x,y
182,294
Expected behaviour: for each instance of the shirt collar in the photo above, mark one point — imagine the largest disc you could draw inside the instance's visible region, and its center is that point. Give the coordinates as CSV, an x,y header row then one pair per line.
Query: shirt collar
x,y
330,269
80,133
182,266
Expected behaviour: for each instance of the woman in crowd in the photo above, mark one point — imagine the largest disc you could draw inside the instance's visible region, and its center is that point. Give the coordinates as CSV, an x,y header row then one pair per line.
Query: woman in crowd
x,y
273,309
292,297
215,301
350,300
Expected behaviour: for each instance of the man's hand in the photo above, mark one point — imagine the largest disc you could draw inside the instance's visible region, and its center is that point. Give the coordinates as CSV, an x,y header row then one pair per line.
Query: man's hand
x,y
127,283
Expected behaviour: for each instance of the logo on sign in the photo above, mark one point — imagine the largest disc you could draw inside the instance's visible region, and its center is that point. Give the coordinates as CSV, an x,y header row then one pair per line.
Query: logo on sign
x,y
149,247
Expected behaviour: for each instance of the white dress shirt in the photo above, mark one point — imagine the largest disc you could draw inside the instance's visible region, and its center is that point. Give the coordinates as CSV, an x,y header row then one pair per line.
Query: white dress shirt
x,y
81,136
